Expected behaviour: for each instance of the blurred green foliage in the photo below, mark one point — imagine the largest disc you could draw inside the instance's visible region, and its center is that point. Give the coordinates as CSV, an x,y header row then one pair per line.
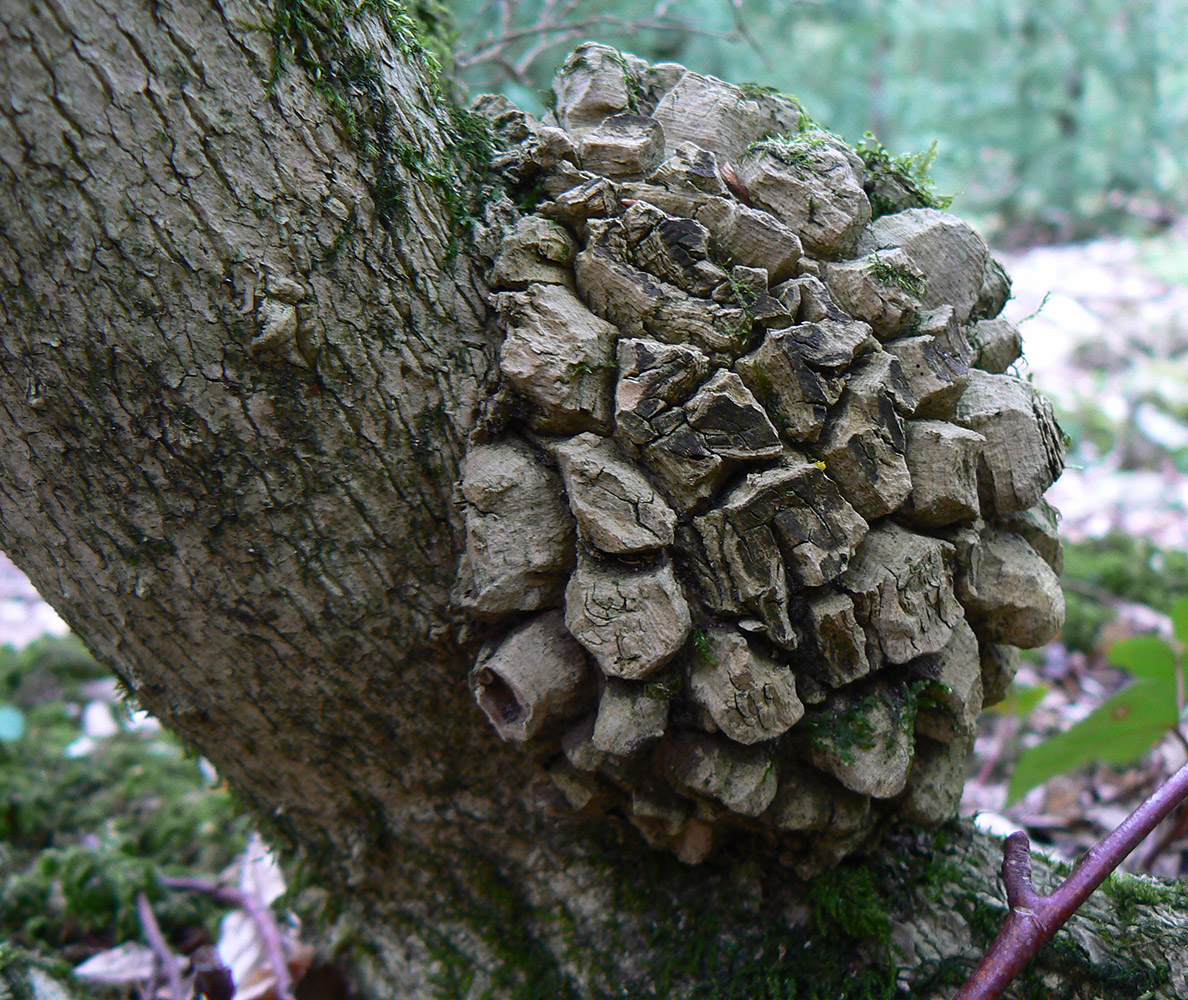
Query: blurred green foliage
x,y
82,833
1053,120
1125,726
1118,566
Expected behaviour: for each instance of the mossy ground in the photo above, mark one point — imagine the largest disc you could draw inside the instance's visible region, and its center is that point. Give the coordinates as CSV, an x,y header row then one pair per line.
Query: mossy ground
x,y
82,833
1098,572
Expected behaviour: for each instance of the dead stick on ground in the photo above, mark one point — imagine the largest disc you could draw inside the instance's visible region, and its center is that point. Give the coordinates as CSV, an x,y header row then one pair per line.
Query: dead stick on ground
x,y
156,940
1034,918
262,917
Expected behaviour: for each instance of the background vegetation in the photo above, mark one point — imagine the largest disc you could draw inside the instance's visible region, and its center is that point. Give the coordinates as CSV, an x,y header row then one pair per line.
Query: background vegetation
x,y
1054,120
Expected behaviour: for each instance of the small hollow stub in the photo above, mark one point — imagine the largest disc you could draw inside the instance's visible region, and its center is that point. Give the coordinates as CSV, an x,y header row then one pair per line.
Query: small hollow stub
x,y
538,675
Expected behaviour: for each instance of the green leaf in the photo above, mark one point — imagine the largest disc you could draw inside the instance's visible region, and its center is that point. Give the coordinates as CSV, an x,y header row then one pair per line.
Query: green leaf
x,y
12,723
1119,731
1179,617
1020,700
1147,658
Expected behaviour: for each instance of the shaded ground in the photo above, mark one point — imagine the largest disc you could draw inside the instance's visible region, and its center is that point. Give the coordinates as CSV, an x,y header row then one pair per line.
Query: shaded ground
x,y
1107,340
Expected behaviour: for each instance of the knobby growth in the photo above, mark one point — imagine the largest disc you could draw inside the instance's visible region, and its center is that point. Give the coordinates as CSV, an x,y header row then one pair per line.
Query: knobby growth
x,y
756,522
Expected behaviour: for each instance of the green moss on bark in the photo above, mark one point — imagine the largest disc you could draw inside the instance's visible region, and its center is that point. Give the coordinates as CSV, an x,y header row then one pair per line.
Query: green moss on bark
x,y
315,35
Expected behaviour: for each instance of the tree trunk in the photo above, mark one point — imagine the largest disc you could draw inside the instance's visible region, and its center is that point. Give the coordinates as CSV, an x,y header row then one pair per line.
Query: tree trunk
x,y
245,343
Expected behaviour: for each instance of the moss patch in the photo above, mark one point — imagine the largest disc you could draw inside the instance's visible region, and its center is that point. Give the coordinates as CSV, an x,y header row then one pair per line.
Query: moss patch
x,y
896,182
897,276
314,35
82,835
794,149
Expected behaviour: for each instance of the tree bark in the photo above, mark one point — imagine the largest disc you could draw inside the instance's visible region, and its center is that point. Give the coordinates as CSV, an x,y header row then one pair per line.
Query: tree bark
x,y
240,361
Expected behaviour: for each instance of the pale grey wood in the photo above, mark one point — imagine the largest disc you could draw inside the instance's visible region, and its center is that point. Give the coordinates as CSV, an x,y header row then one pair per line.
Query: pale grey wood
x,y
593,84
1000,663
617,509
948,253
935,363
1024,450
1011,594
519,533
622,146
750,697
653,377
933,795
536,251
902,586
837,643
998,343
720,117
812,182
862,443
632,622
864,289
1039,526
535,677
630,716
953,699
560,356
740,778
796,395
942,460
871,751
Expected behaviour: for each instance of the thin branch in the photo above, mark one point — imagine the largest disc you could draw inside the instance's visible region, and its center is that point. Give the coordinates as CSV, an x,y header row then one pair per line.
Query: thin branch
x,y
156,940
741,27
524,64
1034,918
492,48
261,916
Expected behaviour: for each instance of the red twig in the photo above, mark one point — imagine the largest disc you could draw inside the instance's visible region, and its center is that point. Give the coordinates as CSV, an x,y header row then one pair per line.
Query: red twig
x,y
260,914
156,940
1035,918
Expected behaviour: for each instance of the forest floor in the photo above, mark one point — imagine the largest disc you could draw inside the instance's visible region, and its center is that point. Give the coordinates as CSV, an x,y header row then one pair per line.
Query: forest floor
x,y
1107,340
1105,336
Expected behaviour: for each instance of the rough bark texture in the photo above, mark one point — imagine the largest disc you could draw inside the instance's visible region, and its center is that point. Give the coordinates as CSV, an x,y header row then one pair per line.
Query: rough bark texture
x,y
239,367
767,579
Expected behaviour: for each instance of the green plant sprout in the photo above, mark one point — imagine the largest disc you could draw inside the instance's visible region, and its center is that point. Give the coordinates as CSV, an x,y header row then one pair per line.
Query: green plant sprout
x,y
913,171
897,276
1127,725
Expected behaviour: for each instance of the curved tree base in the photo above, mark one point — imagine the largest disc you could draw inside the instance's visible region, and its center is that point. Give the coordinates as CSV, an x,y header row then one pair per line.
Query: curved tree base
x,y
561,914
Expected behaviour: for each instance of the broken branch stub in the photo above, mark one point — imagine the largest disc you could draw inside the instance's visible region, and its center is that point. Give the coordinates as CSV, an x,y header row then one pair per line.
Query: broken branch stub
x,y
756,533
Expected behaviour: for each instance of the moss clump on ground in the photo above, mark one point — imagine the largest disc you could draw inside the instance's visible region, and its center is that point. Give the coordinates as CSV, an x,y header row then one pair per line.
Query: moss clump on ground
x,y
82,834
